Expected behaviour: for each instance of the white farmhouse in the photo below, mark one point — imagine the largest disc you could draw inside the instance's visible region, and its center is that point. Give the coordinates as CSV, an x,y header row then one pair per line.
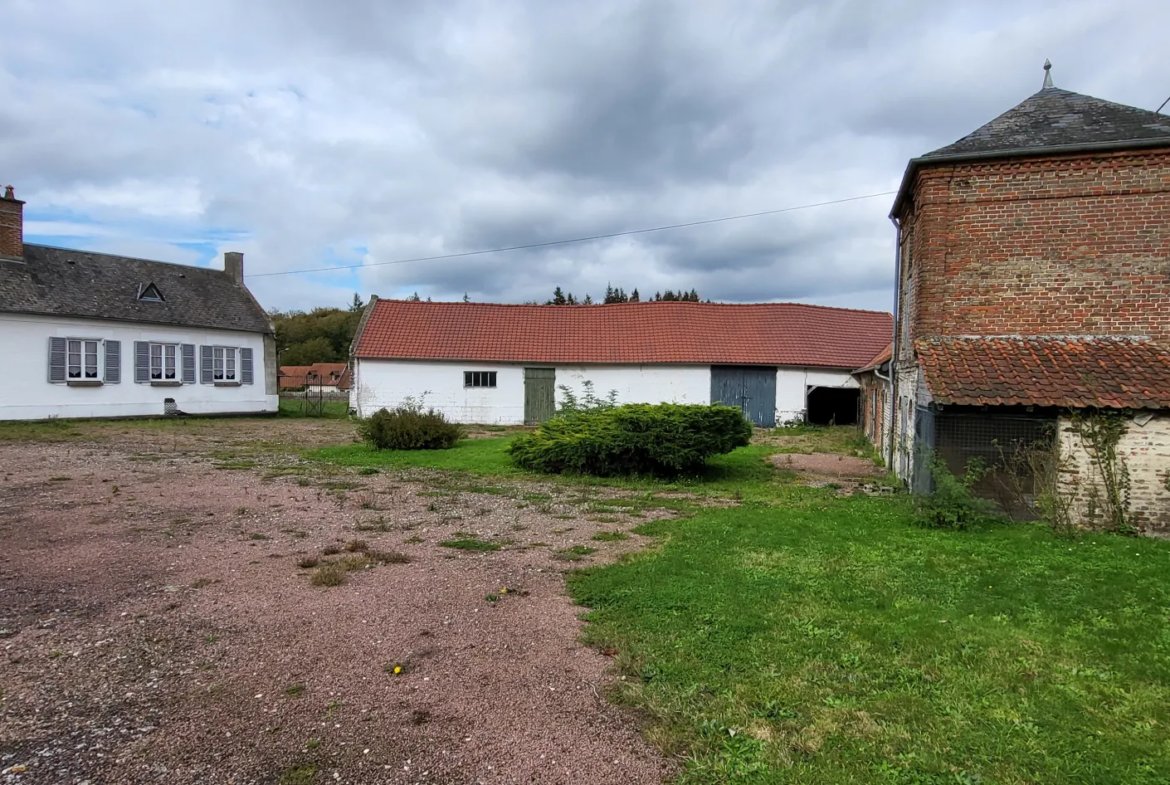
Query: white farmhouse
x,y
503,364
94,335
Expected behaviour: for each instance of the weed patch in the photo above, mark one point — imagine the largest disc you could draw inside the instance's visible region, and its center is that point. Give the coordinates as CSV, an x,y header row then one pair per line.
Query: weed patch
x,y
470,544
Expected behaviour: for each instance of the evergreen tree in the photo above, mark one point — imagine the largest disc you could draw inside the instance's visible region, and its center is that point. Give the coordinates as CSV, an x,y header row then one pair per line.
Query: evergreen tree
x,y
570,299
357,304
634,298
414,298
587,301
558,297
466,299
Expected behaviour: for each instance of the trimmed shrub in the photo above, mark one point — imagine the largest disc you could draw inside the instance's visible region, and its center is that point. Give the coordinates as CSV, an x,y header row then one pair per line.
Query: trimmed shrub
x,y
660,439
409,427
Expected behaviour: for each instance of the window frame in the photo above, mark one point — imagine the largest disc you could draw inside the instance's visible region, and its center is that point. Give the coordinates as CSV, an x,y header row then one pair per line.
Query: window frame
x,y
82,355
176,363
479,380
223,358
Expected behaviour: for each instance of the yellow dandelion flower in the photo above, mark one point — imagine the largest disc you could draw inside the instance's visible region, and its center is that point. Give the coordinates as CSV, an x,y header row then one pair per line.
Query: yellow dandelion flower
x,y
397,669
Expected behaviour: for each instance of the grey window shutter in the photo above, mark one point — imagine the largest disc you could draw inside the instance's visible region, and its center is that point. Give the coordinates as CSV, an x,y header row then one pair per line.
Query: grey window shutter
x,y
188,363
245,366
113,362
141,362
205,365
56,360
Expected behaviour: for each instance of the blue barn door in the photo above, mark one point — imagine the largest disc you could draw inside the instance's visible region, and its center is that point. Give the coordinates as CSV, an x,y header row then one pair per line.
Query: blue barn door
x,y
750,389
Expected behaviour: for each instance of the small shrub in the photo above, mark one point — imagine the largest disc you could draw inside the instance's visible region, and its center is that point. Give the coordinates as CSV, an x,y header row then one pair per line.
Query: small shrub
x,y
952,505
328,575
409,427
573,553
662,439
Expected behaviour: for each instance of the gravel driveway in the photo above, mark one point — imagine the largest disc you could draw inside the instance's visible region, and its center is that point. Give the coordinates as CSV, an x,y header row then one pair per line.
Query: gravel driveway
x,y
156,626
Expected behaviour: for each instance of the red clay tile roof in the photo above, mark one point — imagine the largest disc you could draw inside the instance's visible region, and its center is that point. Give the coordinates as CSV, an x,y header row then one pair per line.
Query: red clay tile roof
x,y
626,333
298,375
884,355
1081,372
346,380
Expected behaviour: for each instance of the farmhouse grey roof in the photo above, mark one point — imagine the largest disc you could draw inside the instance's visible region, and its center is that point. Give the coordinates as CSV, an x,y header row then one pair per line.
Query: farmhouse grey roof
x,y
1051,121
63,282
1055,118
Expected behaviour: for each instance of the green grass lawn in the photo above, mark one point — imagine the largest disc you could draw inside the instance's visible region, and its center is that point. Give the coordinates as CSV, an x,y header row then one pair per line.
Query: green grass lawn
x,y
333,410
808,638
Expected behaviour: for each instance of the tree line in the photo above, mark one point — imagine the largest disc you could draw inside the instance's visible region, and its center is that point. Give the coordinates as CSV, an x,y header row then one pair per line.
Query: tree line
x,y
618,295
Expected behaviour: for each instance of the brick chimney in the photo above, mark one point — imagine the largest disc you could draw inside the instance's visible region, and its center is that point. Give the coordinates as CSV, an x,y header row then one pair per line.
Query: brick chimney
x,y
11,225
233,265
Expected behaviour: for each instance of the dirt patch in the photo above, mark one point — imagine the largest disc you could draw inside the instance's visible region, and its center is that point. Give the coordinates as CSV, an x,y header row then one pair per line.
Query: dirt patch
x,y
828,465
155,625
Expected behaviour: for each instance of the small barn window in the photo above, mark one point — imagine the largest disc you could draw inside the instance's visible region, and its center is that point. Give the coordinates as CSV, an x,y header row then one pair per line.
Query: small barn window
x,y
479,378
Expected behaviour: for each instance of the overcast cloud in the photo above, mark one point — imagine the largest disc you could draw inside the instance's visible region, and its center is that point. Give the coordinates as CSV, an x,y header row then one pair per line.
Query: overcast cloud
x,y
315,134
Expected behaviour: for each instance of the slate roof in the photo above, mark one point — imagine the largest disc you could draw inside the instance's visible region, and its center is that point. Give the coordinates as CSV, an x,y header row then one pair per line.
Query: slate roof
x,y
1050,121
63,282
1081,372
1060,118
625,333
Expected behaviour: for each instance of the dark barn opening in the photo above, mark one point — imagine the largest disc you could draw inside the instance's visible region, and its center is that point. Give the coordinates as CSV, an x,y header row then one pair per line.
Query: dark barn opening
x,y
833,405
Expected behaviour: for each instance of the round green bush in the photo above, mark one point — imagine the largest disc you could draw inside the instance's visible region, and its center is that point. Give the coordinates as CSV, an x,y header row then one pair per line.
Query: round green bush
x,y
660,439
409,428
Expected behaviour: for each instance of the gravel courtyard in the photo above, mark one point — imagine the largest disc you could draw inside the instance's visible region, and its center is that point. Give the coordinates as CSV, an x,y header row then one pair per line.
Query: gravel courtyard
x,y
155,625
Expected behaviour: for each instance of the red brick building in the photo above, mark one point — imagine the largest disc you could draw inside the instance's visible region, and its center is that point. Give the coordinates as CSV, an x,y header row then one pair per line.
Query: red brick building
x,y
1033,283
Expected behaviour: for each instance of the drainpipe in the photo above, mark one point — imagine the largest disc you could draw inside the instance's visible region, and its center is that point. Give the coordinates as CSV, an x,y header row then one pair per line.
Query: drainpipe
x,y
891,448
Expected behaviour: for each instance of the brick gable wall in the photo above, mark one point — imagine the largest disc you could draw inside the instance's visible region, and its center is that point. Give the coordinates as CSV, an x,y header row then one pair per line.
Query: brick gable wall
x,y
1074,245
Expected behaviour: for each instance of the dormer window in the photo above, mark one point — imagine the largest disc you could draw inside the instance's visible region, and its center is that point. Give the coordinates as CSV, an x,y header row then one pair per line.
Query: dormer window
x,y
148,292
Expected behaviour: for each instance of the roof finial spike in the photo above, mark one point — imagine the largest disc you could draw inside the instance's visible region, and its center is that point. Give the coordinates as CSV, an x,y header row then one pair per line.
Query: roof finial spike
x,y
1048,73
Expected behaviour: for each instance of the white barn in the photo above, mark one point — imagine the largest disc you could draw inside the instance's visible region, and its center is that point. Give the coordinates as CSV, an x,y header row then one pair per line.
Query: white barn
x,y
96,335
504,364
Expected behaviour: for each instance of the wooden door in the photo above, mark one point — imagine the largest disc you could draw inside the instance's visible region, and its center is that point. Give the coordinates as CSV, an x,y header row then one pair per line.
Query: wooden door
x,y
539,394
752,390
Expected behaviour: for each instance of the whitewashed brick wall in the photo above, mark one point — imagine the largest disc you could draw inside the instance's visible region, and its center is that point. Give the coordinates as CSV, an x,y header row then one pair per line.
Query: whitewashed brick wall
x,y
1145,449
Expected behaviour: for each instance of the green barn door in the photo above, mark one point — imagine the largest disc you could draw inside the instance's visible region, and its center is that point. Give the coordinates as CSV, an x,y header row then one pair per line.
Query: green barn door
x,y
539,401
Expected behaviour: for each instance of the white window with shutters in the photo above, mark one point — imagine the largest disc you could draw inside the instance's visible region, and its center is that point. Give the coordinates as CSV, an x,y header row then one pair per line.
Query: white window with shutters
x,y
84,361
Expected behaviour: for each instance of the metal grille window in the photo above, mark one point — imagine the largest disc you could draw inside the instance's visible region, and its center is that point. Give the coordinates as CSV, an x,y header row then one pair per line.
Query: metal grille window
x,y
1012,447
163,362
479,378
223,364
82,360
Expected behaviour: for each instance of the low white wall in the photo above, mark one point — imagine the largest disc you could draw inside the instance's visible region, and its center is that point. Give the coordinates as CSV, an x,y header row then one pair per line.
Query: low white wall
x,y
387,383
640,383
792,385
27,393
379,384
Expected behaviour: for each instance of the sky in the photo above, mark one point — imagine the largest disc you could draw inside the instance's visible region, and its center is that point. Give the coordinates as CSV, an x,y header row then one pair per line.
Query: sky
x,y
361,133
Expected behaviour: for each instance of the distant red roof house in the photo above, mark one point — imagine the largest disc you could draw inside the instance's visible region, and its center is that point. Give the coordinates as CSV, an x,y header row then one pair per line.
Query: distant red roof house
x,y
771,334
297,376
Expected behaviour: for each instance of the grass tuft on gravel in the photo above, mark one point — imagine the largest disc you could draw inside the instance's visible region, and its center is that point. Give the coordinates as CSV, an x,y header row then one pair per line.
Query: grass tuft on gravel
x,y
610,536
332,574
470,544
304,774
573,553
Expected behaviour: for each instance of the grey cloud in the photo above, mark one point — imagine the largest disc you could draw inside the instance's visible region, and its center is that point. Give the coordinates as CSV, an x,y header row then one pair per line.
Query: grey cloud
x,y
363,131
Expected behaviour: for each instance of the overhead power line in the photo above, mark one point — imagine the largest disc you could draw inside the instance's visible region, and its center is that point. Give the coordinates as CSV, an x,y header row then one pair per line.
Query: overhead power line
x,y
575,239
